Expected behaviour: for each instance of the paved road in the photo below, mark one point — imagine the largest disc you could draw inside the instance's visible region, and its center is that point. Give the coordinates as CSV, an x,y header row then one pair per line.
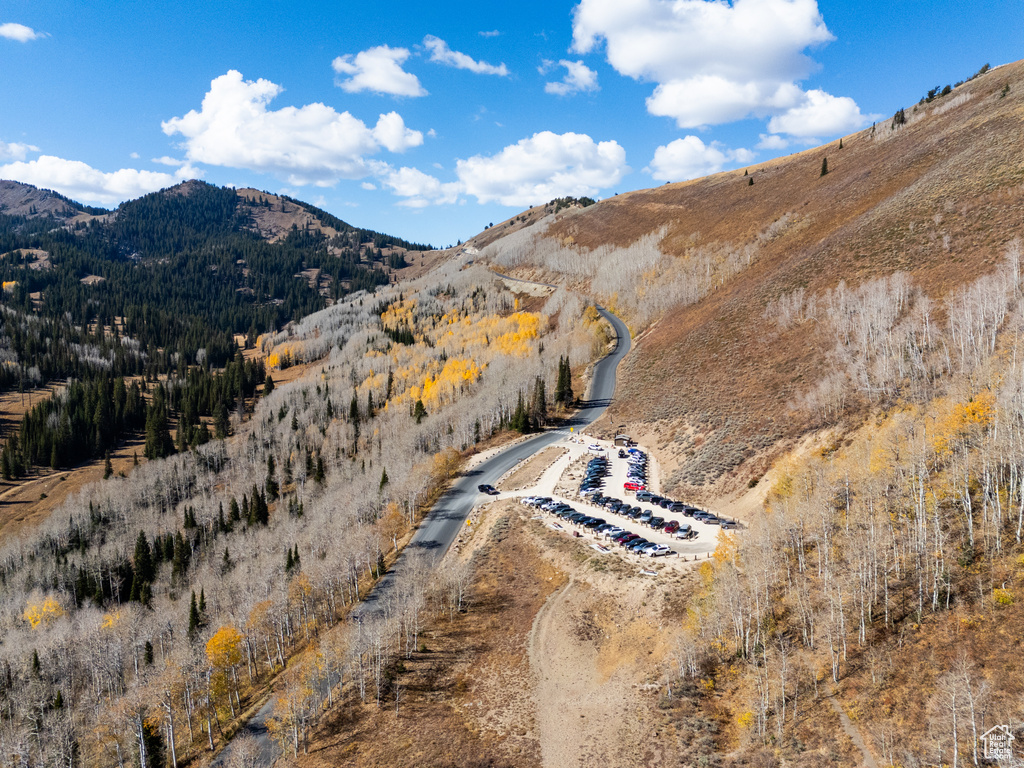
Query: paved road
x,y
443,522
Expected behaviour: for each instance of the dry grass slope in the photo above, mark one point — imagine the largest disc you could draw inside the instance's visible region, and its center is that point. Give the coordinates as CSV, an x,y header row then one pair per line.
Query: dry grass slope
x,y
938,198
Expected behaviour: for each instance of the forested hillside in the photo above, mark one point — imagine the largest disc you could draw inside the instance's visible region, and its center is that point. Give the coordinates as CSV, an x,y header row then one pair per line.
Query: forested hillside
x,y
164,283
148,612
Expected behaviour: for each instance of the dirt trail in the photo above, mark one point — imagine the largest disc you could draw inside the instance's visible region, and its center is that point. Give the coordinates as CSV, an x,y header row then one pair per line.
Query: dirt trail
x,y
585,717
854,733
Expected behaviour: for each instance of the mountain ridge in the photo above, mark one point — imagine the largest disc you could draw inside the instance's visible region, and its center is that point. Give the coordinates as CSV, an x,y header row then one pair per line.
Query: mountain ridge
x,y
936,197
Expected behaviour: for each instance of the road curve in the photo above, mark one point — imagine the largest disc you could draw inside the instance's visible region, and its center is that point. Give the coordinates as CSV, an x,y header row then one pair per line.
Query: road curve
x,y
443,522
445,519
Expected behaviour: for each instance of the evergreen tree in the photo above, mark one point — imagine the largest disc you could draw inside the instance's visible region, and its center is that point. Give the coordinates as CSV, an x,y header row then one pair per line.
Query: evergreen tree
x,y
268,385
108,469
154,743
824,166
271,482
234,514
566,383
36,666
158,435
538,404
521,416
383,479
182,556
419,411
221,422
142,562
319,474
193,618
148,654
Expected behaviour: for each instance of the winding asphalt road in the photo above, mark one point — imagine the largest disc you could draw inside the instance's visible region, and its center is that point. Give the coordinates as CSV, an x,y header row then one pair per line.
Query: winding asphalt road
x,y
443,522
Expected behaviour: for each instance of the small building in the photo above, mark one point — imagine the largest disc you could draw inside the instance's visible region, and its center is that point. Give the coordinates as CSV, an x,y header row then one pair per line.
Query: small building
x,y
623,440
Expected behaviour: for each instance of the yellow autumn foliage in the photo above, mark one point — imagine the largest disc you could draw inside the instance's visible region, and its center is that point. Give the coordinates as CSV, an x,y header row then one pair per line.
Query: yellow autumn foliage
x,y
38,614
224,649
962,420
450,352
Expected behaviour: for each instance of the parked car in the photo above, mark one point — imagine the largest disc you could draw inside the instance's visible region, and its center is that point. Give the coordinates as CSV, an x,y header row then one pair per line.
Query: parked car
x,y
490,490
671,526
645,516
659,550
632,485
644,495
685,532
656,523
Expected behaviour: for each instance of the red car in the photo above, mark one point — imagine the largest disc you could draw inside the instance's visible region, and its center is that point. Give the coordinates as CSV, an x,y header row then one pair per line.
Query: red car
x,y
631,486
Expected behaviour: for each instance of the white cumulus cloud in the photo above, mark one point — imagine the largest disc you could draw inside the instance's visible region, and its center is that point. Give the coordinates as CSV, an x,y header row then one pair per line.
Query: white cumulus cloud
x,y
715,62
19,32
15,150
771,142
82,182
312,144
420,189
713,100
545,166
819,114
690,158
578,78
440,53
534,170
379,70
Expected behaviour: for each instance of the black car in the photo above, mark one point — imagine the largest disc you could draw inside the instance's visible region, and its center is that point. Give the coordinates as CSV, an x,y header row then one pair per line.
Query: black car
x,y
657,522
490,490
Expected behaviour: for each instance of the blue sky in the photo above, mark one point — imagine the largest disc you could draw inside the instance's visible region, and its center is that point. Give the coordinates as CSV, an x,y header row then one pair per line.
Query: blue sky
x,y
430,121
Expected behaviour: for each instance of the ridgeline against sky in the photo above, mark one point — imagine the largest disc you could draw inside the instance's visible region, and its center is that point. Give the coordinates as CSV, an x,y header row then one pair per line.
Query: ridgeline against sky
x,y
469,115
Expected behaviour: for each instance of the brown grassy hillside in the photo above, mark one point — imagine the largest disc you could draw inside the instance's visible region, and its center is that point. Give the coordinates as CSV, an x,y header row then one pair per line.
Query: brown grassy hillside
x,y
938,198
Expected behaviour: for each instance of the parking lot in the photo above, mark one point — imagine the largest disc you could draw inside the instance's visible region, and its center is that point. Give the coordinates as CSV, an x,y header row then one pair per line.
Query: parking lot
x,y
612,518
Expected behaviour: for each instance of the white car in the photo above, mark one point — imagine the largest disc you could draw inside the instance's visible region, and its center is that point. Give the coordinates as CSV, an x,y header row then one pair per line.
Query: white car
x,y
658,550
595,448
